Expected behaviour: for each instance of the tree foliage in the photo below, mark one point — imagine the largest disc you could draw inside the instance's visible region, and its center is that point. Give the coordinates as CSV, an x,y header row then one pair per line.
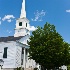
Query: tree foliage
x,y
48,48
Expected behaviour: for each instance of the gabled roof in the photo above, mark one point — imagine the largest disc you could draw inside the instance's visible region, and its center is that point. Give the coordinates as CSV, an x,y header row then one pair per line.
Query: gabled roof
x,y
9,38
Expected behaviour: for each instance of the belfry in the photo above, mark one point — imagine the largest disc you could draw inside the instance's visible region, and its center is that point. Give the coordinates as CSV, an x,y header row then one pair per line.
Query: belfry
x,y
22,23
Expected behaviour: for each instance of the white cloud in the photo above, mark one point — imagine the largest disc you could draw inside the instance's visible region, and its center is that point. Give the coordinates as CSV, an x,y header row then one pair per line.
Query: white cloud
x,y
0,18
8,18
68,11
32,28
9,31
39,15
0,22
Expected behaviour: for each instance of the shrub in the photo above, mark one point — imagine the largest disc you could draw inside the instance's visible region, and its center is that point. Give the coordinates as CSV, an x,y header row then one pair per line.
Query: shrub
x,y
35,68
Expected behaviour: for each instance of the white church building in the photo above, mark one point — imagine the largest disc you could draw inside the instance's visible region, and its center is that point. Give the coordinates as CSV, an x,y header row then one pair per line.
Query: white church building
x,y
14,49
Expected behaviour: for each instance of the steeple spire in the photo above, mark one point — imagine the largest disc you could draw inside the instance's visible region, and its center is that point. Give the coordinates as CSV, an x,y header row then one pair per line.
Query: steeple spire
x,y
23,12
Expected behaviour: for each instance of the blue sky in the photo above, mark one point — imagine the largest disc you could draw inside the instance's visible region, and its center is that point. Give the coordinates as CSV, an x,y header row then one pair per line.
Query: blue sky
x,y
39,12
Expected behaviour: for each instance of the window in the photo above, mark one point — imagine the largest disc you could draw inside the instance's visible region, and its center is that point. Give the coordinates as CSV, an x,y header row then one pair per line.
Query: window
x,y
5,52
26,24
20,23
22,50
27,41
21,61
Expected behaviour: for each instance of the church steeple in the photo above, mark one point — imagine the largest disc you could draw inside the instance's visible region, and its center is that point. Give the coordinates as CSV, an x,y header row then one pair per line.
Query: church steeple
x,y
23,11
22,23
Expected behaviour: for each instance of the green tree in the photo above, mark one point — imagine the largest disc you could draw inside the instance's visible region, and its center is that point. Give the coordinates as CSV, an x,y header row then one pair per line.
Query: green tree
x,y
48,48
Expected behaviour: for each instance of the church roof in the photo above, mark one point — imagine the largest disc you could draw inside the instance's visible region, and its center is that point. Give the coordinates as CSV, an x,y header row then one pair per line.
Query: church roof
x,y
9,38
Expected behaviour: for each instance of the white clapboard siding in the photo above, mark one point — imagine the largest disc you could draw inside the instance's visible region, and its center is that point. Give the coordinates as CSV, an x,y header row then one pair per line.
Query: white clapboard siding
x,y
1,51
9,62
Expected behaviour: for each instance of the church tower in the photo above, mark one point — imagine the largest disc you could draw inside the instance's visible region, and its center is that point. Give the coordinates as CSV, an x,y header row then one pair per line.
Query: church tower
x,y
22,23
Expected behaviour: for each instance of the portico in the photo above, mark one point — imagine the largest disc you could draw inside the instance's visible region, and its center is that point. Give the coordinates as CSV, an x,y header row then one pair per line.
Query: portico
x,y
24,56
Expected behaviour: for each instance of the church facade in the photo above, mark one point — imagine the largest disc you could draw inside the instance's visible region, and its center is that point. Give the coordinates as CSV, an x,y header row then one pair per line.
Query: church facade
x,y
14,49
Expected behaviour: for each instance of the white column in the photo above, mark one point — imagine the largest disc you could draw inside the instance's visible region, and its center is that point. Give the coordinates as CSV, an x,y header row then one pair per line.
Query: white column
x,y
24,58
0,67
27,63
